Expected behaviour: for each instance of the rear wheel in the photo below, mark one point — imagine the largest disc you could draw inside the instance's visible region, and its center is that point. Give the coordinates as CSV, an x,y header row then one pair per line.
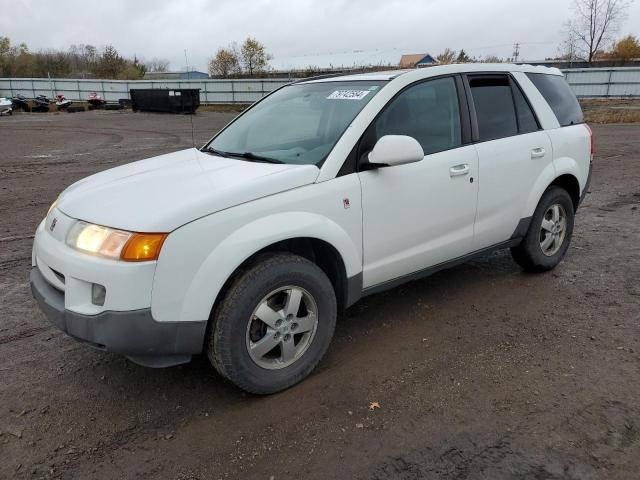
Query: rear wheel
x,y
547,240
274,323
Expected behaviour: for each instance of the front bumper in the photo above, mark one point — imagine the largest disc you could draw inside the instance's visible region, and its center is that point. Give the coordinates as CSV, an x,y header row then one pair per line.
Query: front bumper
x,y
133,333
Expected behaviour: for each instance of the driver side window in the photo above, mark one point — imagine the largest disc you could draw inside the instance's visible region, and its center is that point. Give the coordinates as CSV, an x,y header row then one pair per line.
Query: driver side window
x,y
428,112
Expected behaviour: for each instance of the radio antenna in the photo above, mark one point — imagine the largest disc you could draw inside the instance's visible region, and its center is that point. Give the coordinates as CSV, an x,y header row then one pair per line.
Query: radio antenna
x,y
193,139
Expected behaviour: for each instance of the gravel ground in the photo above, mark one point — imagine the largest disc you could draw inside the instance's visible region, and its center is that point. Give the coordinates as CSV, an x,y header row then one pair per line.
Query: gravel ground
x,y
480,371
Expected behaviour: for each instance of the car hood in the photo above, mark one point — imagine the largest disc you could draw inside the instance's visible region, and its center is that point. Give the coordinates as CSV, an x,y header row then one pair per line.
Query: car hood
x,y
162,193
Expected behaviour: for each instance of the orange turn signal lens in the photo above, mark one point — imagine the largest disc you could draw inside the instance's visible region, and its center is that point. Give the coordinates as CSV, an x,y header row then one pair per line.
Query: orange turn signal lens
x,y
142,247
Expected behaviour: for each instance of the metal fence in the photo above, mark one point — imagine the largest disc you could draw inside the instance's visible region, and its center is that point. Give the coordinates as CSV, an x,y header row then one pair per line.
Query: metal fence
x,y
211,91
604,82
586,82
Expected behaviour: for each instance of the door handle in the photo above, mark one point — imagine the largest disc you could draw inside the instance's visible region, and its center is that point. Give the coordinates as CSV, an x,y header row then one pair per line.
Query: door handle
x,y
537,152
462,169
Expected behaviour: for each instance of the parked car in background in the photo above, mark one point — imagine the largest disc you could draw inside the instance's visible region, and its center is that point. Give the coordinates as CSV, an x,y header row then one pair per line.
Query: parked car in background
x,y
6,106
323,192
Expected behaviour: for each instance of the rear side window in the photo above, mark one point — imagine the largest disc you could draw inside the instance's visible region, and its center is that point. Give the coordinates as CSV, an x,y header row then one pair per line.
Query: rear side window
x,y
559,96
494,107
527,122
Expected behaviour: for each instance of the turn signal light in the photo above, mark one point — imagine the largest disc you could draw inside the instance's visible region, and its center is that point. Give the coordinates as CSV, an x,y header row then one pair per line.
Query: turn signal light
x,y
142,247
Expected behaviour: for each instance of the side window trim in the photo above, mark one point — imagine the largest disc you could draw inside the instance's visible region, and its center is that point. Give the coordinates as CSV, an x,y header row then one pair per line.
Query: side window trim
x,y
465,113
514,84
515,105
475,131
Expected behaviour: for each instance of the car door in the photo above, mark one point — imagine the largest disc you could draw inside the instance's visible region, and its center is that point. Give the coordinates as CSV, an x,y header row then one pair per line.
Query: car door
x,y
512,150
421,214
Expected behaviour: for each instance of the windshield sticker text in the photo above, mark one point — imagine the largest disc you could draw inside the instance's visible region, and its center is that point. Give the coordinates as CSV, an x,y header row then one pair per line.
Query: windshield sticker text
x,y
348,95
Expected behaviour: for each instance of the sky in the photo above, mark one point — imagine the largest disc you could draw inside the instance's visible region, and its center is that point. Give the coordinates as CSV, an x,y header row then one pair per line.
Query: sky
x,y
166,28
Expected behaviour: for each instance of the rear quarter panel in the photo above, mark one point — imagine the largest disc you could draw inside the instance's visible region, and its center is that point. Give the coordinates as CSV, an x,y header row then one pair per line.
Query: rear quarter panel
x,y
570,145
572,152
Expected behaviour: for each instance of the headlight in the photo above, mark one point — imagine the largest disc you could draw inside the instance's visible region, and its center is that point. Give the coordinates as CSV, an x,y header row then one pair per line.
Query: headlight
x,y
115,244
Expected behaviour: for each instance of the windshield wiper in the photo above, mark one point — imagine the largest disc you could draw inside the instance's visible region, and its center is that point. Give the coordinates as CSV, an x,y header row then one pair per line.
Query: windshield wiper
x,y
216,152
254,157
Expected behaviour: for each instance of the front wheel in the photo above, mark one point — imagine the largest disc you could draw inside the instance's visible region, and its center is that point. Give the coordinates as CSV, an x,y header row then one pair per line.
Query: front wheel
x,y
547,240
273,324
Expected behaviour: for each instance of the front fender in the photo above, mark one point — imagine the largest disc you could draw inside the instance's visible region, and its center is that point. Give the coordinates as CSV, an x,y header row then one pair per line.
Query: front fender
x,y
251,238
198,258
190,275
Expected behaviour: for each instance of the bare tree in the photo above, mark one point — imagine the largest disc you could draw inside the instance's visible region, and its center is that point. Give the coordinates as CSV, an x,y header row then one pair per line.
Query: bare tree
x,y
593,25
157,65
463,57
567,50
83,59
492,59
225,62
446,57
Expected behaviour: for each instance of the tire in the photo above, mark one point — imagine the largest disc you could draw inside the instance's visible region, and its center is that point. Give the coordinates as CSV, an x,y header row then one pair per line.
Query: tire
x,y
263,289
531,254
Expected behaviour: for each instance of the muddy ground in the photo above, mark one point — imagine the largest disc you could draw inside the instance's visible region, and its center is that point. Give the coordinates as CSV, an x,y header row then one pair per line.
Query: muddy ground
x,y
481,372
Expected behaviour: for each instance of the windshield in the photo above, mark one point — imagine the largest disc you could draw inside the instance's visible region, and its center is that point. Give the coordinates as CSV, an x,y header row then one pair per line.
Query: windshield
x,y
298,124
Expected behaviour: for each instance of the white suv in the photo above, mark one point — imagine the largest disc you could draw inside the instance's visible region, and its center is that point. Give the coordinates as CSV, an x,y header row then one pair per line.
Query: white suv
x,y
326,190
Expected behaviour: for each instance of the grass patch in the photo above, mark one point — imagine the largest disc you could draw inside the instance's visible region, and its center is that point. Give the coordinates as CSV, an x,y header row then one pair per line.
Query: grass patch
x,y
211,107
611,110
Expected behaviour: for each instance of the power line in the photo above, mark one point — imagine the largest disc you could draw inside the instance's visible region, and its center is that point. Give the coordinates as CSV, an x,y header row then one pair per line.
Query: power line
x,y
193,139
487,47
516,52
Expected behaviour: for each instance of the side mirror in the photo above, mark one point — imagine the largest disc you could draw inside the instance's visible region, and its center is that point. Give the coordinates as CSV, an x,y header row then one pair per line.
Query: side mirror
x,y
393,150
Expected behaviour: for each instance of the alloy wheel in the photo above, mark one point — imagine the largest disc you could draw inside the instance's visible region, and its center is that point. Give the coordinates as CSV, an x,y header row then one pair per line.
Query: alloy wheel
x,y
553,229
282,327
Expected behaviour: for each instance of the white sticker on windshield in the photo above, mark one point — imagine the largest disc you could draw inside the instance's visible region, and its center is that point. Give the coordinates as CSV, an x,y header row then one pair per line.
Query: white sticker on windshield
x,y
348,95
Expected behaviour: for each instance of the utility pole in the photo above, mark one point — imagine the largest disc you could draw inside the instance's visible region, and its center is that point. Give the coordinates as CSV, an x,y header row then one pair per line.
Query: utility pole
x,y
516,52
187,61
571,54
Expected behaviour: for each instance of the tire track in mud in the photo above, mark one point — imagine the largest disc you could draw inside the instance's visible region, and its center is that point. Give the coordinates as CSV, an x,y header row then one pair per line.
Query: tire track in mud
x,y
19,167
6,264
29,332
632,199
16,238
603,431
116,137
